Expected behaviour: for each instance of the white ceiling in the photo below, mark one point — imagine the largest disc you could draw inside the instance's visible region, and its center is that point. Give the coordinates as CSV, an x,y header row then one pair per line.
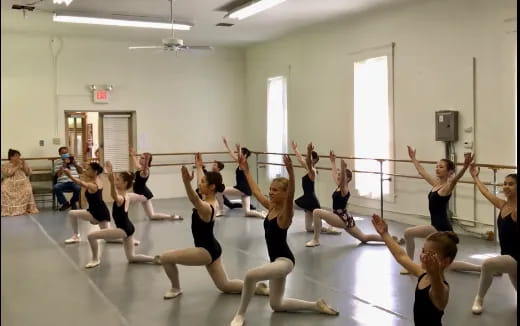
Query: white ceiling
x,y
270,24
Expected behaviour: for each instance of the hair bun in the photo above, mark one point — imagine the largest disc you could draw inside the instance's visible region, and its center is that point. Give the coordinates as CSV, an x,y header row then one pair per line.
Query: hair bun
x,y
453,236
221,187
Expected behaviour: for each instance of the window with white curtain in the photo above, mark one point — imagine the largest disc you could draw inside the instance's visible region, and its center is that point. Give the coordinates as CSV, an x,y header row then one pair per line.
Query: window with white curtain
x,y
116,141
373,121
276,124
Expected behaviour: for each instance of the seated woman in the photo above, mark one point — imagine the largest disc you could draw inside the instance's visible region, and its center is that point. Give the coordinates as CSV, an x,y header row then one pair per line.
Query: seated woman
x,y
17,195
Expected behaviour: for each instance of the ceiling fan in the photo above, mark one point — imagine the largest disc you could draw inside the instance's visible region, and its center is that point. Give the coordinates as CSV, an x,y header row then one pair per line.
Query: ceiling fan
x,y
171,43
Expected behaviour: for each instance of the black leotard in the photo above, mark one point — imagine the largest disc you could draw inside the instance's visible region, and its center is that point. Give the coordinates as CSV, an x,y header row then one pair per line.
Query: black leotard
x,y
308,201
97,206
276,239
140,187
509,236
121,219
438,206
424,312
339,207
242,184
203,234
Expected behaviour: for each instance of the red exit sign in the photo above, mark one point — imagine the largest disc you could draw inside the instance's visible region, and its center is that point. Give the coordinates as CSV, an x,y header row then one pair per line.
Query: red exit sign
x,y
100,96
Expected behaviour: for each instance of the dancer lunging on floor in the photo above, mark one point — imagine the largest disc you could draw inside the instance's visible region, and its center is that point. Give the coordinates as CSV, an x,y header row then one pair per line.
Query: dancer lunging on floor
x,y
339,217
120,183
141,192
432,291
308,201
508,234
443,184
97,212
207,251
280,213
241,189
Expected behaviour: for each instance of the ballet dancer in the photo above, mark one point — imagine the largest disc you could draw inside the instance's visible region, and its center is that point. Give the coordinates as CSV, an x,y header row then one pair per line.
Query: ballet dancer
x,y
207,251
97,212
280,213
241,188
432,290
339,217
308,201
142,193
443,184
120,183
508,234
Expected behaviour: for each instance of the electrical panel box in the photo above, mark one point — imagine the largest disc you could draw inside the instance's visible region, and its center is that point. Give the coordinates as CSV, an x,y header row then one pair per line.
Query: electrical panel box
x,y
447,125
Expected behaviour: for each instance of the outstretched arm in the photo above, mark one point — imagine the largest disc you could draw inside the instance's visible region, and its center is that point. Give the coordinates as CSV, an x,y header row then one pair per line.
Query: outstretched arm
x,y
299,156
453,181
255,189
308,160
92,187
133,155
398,253
285,219
474,171
200,168
113,191
231,153
333,168
431,180
202,207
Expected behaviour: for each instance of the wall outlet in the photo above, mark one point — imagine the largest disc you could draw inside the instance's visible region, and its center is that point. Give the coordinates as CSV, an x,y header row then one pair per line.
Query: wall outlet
x,y
56,141
42,142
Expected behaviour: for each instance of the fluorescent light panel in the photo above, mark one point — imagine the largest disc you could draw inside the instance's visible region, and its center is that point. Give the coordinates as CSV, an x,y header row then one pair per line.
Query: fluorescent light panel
x,y
59,2
253,8
118,22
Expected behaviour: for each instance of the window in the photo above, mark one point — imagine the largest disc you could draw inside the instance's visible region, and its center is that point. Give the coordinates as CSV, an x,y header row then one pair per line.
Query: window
x,y
276,124
373,121
116,140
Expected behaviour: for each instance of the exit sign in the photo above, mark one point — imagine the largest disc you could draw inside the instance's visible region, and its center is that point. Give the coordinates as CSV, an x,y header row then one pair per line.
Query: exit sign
x,y
100,96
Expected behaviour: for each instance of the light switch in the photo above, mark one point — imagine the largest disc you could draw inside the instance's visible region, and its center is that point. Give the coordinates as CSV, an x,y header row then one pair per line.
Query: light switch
x,y
41,142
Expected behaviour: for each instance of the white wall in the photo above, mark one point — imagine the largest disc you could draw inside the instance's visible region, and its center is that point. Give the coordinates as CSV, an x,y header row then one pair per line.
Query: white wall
x,y
435,43
183,103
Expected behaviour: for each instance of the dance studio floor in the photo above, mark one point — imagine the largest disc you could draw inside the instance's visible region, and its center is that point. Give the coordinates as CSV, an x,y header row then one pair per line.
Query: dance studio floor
x,y
44,282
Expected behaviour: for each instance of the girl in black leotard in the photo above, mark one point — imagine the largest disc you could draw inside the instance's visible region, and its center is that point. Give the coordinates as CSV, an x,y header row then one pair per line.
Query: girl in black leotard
x,y
142,193
508,234
276,224
432,291
207,251
241,188
443,184
97,212
308,201
339,217
119,185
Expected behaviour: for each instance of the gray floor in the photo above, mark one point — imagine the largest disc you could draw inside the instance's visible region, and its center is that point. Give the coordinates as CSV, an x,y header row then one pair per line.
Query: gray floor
x,y
44,282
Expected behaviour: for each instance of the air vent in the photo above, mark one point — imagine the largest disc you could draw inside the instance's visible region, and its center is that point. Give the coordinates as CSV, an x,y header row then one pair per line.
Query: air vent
x,y
225,24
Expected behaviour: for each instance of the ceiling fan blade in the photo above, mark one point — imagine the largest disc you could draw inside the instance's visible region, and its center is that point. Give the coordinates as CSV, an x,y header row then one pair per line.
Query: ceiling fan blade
x,y
198,47
145,47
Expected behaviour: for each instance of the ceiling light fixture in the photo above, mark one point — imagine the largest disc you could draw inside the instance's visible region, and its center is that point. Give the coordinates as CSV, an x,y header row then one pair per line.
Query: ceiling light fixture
x,y
65,2
252,8
62,18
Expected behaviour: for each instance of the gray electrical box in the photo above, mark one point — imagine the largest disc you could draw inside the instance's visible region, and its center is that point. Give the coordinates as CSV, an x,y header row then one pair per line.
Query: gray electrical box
x,y
447,125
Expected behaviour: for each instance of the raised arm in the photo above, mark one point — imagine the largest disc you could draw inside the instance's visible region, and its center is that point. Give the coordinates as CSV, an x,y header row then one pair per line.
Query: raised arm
x,y
231,153
285,219
439,292
468,157
474,171
113,191
255,189
343,178
9,171
299,156
398,253
26,169
431,180
200,168
308,160
92,187
333,168
133,155
202,207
